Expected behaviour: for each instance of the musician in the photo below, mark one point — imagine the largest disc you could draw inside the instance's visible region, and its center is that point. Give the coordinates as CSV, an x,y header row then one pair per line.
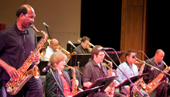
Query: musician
x,y
129,69
156,61
52,89
17,42
95,69
83,48
51,49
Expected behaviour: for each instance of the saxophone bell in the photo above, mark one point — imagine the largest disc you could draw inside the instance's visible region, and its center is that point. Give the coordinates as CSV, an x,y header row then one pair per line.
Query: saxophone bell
x,y
36,71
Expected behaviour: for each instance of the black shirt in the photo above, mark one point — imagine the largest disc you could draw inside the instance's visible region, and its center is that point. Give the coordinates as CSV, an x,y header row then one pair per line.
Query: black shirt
x,y
92,71
153,73
80,50
16,46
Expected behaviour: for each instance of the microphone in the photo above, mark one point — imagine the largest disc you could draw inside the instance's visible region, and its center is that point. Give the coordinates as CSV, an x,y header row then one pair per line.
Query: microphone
x,y
134,55
47,67
45,25
105,48
71,44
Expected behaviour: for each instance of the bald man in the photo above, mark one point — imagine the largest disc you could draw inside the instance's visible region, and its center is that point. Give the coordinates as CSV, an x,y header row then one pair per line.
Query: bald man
x,y
156,61
17,42
51,49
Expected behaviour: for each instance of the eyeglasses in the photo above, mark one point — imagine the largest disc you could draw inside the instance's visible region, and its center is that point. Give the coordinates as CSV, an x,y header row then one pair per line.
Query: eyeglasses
x,y
102,55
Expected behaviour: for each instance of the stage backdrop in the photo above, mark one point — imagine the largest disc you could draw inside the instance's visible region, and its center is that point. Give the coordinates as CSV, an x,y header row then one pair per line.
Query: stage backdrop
x,y
63,17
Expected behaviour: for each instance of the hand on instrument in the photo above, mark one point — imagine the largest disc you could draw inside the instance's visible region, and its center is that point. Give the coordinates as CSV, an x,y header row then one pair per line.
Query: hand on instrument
x,y
128,89
36,58
77,82
89,49
12,72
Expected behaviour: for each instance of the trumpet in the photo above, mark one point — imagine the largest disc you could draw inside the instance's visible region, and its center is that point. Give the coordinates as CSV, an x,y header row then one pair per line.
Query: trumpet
x,y
90,44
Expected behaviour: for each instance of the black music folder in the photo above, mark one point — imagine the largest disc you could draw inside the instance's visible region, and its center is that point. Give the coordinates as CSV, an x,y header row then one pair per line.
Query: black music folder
x,y
113,55
88,91
133,79
79,59
102,82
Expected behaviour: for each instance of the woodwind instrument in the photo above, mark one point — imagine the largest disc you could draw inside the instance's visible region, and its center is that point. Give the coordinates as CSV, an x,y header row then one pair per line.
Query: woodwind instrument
x,y
148,88
111,88
75,89
13,87
138,83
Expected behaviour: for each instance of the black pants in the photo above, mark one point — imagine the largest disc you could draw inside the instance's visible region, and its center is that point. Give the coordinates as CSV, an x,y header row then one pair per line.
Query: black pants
x,y
160,90
33,88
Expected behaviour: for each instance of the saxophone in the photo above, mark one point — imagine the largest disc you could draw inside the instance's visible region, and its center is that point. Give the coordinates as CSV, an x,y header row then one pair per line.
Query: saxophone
x,y
111,88
156,82
75,89
138,83
13,87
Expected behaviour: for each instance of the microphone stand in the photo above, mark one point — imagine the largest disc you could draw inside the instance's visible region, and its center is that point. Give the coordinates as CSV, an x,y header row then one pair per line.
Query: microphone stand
x,y
132,84
56,81
153,67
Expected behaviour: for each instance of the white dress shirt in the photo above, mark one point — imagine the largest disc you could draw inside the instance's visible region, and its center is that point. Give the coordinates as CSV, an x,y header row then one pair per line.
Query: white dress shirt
x,y
48,54
129,71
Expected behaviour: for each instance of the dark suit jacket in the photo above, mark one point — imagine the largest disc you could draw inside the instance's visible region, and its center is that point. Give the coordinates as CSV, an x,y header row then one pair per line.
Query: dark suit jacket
x,y
51,88
80,50
153,73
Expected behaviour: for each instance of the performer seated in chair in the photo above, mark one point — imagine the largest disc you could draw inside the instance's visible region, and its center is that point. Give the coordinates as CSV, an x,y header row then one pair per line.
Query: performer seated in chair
x,y
63,79
95,69
130,69
158,62
83,48
54,47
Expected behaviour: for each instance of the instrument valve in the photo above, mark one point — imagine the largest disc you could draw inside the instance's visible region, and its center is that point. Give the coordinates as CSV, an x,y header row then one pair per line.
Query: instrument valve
x,y
154,84
18,83
9,89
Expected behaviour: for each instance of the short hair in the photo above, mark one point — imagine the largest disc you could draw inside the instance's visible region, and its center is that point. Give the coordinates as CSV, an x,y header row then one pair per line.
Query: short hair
x,y
84,38
128,52
95,51
158,50
22,9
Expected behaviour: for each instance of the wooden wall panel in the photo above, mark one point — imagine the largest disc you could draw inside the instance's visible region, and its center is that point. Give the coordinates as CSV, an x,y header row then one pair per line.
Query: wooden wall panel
x,y
132,27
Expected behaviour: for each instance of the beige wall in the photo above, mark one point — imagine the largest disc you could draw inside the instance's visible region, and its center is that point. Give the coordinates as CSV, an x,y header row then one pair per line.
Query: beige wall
x,y
63,17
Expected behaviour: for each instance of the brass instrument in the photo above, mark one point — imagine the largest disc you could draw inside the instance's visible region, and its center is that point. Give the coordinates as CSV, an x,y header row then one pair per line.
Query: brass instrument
x,y
111,87
155,83
149,88
138,83
65,52
75,89
13,87
79,40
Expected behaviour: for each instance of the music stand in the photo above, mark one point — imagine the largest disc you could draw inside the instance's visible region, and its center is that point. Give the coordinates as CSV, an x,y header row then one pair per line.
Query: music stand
x,y
112,54
133,79
88,91
103,81
79,59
